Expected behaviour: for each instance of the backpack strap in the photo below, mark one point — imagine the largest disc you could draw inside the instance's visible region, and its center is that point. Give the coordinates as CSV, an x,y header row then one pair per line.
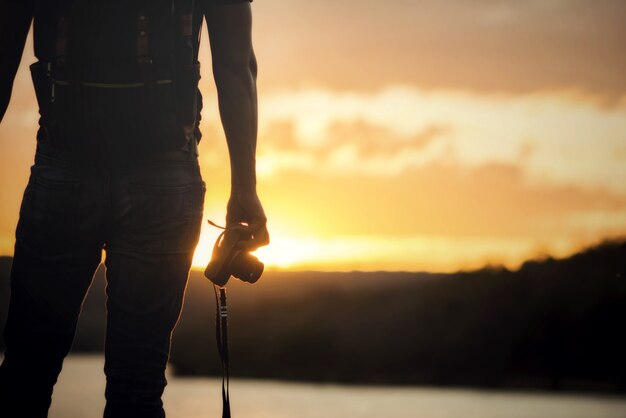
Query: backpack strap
x,y
60,52
62,33
143,39
184,11
142,43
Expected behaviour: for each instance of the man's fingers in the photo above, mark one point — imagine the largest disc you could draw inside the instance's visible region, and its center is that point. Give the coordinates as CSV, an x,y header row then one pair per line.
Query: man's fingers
x,y
247,209
260,237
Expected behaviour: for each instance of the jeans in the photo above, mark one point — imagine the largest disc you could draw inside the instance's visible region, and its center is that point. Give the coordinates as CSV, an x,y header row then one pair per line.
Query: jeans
x,y
146,215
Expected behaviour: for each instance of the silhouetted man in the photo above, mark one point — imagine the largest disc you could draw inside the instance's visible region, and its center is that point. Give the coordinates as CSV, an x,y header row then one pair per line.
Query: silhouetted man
x,y
116,169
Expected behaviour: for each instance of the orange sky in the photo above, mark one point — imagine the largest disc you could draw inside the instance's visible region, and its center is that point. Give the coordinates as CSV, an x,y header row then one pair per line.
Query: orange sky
x,y
412,135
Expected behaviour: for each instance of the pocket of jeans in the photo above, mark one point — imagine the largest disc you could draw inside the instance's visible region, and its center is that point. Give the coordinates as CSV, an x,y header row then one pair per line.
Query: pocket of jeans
x,y
49,212
166,218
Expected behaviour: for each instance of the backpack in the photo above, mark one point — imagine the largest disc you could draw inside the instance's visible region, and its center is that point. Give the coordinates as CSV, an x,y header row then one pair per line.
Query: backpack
x,y
156,108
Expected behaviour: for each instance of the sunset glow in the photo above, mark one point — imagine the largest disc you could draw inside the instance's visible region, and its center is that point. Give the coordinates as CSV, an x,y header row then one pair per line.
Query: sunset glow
x,y
437,139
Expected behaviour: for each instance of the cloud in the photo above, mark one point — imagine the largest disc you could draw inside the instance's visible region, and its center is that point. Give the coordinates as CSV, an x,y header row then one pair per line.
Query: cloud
x,y
493,200
557,137
348,148
504,45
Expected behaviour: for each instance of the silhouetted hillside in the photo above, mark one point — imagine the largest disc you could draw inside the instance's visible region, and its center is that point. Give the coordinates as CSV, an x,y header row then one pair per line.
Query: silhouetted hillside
x,y
551,324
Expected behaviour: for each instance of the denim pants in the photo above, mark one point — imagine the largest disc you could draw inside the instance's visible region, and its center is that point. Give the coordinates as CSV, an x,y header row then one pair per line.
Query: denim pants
x,y
146,215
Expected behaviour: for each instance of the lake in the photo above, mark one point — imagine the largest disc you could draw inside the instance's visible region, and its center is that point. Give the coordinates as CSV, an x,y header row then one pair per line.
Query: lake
x,y
79,393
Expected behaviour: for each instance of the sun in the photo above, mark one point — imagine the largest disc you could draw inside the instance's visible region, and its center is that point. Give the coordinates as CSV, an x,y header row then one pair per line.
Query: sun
x,y
282,253
285,253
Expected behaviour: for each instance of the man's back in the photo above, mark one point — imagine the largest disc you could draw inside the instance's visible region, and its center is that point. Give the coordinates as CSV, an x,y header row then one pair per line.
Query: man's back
x,y
102,34
117,71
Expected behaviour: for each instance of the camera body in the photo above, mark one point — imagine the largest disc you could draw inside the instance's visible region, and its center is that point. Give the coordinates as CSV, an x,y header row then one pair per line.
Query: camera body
x,y
227,259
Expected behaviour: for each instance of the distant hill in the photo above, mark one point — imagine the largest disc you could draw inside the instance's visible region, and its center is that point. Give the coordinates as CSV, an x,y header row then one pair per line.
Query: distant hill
x,y
550,324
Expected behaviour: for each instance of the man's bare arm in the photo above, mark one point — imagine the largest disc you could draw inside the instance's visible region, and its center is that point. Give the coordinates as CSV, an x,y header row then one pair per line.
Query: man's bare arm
x,y
235,70
15,18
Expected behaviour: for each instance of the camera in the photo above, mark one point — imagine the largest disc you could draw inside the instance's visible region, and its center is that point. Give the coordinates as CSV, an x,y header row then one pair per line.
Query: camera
x,y
228,260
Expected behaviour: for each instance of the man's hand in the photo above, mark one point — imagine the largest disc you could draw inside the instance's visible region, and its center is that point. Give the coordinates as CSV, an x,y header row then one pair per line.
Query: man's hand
x,y
247,208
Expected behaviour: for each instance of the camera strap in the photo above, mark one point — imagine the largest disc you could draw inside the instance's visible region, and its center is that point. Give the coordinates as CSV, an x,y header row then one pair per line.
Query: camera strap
x,y
221,336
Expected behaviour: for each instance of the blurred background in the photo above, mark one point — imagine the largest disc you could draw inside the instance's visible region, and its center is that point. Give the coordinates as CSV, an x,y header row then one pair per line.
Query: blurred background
x,y
457,139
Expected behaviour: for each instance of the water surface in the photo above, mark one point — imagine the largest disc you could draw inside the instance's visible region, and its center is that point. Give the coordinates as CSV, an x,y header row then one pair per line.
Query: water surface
x,y
80,394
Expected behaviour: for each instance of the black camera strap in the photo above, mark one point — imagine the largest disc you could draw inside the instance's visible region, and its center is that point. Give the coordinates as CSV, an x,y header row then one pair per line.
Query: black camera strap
x,y
221,336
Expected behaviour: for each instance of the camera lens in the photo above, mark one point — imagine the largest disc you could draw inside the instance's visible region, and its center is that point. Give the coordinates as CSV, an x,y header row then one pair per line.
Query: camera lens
x,y
246,267
216,272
